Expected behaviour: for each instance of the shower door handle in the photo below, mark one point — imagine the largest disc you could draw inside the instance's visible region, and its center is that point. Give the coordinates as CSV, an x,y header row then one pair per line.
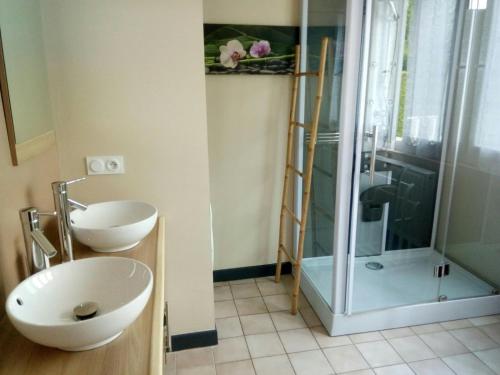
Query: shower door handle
x,y
373,157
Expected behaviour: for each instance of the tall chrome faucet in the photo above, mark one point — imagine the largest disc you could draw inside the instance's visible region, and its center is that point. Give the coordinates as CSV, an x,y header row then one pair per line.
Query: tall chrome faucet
x,y
63,205
38,248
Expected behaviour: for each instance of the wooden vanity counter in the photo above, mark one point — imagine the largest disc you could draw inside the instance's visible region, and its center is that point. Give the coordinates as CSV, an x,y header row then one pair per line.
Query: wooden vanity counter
x,y
136,352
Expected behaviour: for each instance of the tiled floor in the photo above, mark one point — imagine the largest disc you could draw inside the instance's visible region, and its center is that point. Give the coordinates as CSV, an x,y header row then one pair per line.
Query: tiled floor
x,y
257,335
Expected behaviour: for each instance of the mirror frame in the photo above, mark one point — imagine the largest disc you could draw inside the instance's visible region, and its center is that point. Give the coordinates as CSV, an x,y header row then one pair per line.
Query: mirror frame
x,y
7,109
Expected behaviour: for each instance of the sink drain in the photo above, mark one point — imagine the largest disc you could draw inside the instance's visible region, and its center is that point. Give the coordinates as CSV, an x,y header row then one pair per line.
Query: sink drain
x,y
374,266
85,310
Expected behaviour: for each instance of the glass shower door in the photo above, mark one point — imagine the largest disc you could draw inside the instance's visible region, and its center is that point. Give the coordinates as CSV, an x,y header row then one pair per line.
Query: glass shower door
x,y
471,218
408,54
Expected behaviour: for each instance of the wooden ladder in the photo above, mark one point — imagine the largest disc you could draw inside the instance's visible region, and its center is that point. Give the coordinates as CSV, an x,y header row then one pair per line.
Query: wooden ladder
x,y
306,174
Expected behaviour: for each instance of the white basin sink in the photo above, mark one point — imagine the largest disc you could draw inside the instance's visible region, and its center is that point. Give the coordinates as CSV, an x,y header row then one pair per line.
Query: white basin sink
x,y
41,307
113,226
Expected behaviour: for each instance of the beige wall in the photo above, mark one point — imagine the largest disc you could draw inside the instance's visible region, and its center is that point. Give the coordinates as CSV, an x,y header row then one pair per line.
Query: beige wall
x,y
128,79
22,186
247,122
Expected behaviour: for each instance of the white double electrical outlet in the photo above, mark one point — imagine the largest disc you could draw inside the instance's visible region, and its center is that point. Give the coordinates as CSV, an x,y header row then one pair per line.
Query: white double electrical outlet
x,y
105,165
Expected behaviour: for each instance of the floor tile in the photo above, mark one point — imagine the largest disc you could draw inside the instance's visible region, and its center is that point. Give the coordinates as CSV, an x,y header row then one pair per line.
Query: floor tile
x,y
310,317
222,293
194,358
277,365
269,287
394,370
431,367
491,358
228,327
169,366
456,324
345,358
266,278
412,348
326,341
443,344
427,328
259,323
303,302
379,353
221,283
229,350
483,320
245,290
249,314
242,281
225,309
298,340
202,370
279,302
366,337
493,331
308,363
467,364
250,306
397,332
288,281
284,320
235,368
265,344
474,339
195,362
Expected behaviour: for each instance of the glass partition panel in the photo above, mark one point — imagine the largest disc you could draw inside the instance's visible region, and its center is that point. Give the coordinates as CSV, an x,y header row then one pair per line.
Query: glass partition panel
x,y
325,18
472,223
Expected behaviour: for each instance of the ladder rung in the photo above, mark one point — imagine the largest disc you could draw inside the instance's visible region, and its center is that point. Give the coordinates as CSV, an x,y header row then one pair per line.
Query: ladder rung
x,y
295,170
289,256
301,125
292,214
304,74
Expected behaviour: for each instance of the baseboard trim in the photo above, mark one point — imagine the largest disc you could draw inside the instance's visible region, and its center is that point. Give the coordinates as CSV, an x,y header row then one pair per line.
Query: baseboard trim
x,y
250,272
193,340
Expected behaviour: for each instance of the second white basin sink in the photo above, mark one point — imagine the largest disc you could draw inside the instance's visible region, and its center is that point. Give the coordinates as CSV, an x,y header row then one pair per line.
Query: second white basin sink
x,y
113,226
42,306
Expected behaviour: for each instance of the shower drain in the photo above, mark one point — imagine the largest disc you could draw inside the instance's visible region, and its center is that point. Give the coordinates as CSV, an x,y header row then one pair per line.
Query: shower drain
x,y
374,266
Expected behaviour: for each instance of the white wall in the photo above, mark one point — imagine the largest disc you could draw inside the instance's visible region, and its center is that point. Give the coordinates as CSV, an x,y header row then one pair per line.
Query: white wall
x,y
128,79
247,125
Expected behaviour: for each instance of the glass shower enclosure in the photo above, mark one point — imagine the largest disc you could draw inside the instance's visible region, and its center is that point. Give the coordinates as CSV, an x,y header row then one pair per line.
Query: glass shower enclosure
x,y
404,220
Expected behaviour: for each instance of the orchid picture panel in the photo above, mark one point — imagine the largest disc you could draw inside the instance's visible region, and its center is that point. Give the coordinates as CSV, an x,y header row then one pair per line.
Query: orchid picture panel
x,y
250,49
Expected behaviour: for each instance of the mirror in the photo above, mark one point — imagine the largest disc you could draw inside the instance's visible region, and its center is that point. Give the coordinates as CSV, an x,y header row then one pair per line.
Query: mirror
x,y
24,83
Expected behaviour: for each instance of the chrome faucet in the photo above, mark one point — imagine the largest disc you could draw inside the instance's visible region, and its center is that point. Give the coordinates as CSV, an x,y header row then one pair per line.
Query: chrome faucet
x,y
38,248
63,205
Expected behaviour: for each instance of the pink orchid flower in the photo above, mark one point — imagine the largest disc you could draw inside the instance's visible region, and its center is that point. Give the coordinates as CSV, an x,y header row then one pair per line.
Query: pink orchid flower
x,y
260,49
